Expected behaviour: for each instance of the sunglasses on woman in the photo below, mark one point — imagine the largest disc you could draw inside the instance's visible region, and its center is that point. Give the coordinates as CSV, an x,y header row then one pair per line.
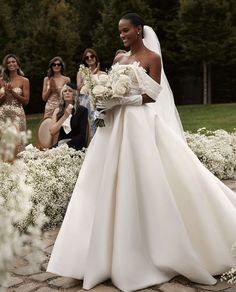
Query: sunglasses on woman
x,y
56,64
90,57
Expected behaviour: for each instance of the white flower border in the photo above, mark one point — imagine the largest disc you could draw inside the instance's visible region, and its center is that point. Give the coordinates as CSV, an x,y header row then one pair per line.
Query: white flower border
x,y
216,150
15,205
52,175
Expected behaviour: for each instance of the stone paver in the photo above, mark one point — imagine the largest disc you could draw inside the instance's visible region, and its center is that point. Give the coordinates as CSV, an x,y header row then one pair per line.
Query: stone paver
x,y
48,250
176,287
233,289
26,287
45,265
220,286
27,270
63,282
148,290
13,282
18,262
46,289
24,279
48,242
42,277
102,288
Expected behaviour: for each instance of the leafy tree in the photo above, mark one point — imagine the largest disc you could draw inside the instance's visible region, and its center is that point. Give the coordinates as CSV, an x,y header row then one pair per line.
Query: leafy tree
x,y
206,32
51,31
89,15
164,12
37,31
7,32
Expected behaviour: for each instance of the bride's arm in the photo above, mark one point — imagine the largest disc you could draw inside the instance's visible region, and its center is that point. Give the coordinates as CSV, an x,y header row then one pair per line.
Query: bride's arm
x,y
154,73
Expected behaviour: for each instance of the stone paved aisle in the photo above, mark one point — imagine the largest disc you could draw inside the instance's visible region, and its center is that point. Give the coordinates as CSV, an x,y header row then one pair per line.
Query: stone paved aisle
x,y
23,279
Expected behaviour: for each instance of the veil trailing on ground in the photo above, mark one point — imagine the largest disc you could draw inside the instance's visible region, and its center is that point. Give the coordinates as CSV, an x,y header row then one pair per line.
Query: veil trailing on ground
x,y
164,106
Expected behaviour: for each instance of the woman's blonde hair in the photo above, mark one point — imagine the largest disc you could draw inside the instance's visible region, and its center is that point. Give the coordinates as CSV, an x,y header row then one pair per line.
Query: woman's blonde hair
x,y
62,104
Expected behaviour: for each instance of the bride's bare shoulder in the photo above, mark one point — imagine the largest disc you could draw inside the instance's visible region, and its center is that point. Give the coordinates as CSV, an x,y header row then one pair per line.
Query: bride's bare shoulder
x,y
152,56
120,58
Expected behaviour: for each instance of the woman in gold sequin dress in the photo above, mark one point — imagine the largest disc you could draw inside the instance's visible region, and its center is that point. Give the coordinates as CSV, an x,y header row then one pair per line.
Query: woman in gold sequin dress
x,y
53,84
14,92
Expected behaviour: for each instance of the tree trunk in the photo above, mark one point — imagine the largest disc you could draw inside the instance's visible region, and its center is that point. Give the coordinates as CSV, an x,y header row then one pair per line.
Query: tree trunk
x,y
204,82
209,98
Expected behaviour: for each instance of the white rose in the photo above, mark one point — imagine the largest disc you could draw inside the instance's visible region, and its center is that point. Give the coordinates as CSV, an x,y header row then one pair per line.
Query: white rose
x,y
122,86
84,90
119,90
124,79
99,90
103,79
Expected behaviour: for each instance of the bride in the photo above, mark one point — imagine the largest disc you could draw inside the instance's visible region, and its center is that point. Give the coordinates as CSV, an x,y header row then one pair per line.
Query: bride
x,y
144,209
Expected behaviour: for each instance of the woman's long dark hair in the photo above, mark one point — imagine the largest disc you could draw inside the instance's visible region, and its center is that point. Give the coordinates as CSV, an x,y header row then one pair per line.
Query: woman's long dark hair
x,y
5,71
50,72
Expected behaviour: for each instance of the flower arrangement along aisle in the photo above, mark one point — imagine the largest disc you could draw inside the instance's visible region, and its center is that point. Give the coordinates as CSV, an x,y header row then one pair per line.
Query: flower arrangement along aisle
x,y
216,150
52,175
112,86
15,205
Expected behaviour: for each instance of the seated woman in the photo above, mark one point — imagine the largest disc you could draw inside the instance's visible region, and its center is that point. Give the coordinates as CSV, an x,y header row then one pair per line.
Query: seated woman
x,y
70,120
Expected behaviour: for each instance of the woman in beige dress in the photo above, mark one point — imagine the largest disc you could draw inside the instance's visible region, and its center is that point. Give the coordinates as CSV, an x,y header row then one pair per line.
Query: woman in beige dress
x,y
14,92
52,85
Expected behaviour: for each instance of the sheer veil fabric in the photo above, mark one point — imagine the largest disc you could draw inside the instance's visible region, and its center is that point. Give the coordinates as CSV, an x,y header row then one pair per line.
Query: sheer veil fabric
x,y
144,209
164,106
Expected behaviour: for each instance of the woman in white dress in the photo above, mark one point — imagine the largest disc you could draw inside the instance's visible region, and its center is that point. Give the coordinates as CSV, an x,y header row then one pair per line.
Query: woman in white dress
x,y
89,59
144,209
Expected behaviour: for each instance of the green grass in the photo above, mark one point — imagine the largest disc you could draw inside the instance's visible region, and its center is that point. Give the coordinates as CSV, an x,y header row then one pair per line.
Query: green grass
x,y
193,117
32,122
213,117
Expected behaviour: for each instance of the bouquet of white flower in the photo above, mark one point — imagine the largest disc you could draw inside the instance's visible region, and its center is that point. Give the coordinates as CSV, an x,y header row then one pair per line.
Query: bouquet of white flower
x,y
111,86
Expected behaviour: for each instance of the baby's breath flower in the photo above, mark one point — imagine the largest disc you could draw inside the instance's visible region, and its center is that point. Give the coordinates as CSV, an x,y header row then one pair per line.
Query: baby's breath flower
x,y
216,150
15,203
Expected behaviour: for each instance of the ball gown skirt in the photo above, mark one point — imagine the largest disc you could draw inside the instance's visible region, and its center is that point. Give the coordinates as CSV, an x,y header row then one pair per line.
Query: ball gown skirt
x,y
144,209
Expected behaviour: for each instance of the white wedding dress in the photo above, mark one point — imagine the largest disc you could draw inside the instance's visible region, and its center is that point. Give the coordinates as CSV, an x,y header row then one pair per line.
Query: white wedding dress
x,y
144,208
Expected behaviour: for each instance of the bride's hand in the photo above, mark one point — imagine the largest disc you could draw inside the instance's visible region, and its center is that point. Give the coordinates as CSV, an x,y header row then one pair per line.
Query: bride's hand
x,y
108,104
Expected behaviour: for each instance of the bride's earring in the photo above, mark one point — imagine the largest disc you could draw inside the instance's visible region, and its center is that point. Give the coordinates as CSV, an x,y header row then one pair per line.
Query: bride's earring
x,y
138,33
